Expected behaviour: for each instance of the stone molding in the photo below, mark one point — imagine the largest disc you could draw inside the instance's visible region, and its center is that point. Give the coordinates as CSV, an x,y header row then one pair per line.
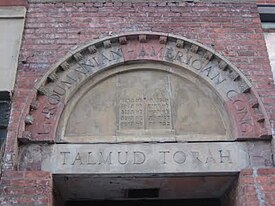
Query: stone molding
x,y
8,12
248,116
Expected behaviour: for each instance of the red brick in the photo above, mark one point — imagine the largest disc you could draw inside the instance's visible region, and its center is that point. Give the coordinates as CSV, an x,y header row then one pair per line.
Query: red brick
x,y
272,179
13,3
263,179
269,188
33,191
13,191
247,180
37,175
25,200
247,172
249,189
266,171
22,182
14,174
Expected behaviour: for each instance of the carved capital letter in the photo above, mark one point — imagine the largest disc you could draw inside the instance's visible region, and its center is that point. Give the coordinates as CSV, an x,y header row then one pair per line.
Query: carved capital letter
x,y
64,157
228,156
179,157
164,154
139,158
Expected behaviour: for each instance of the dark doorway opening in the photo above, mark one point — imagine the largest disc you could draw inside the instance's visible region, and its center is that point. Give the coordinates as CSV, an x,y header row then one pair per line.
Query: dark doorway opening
x,y
180,202
103,190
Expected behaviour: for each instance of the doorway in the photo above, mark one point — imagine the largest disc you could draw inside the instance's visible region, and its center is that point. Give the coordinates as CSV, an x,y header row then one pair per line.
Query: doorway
x,y
137,190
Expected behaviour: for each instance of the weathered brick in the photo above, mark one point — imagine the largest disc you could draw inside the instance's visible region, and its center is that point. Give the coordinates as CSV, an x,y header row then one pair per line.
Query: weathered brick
x,y
32,188
37,174
13,174
266,171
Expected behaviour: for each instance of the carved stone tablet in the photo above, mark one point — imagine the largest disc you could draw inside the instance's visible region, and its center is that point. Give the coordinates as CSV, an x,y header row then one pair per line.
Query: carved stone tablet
x,y
144,102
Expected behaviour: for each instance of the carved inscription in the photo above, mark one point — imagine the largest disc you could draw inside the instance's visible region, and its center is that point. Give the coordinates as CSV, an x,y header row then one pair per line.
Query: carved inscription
x,y
150,52
147,158
103,58
145,107
102,158
145,112
242,113
164,157
81,69
159,110
201,64
131,113
246,122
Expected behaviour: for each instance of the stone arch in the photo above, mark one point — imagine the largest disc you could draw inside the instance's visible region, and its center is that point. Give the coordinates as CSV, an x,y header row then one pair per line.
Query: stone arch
x,y
246,112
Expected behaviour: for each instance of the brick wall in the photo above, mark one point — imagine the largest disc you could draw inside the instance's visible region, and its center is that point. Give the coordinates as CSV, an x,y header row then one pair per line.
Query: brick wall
x,y
234,30
256,187
26,188
52,29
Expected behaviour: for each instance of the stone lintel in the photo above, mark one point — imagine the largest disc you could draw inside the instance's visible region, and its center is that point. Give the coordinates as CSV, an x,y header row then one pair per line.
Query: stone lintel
x,y
162,158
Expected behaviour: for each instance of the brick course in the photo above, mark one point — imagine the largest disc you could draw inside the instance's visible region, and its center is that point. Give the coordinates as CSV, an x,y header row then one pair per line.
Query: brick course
x,y
13,2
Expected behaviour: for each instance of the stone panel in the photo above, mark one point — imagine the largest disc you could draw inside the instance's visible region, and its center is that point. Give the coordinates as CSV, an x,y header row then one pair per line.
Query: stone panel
x,y
270,40
11,26
179,158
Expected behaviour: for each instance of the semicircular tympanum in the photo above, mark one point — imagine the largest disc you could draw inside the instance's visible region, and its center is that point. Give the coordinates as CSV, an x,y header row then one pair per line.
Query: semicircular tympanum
x,y
147,103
